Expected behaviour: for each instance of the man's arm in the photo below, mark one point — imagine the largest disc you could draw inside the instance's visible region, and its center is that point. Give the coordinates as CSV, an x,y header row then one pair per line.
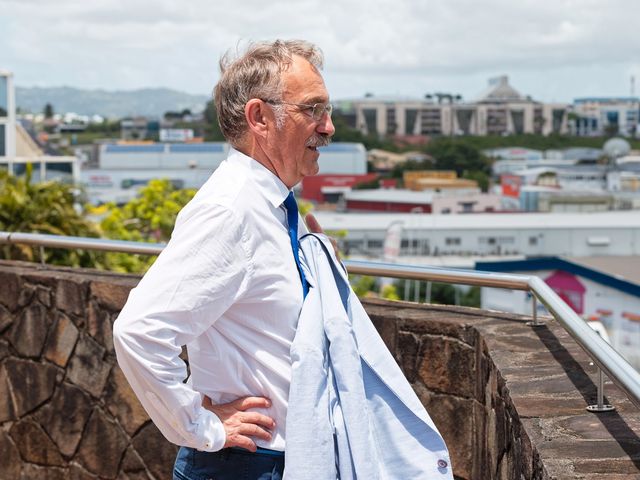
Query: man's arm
x,y
203,270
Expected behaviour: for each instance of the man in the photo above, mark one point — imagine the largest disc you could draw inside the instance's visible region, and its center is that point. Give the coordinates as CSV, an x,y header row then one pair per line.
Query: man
x,y
227,285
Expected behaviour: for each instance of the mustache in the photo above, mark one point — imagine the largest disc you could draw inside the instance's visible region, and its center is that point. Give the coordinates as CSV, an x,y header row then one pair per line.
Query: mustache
x,y
318,140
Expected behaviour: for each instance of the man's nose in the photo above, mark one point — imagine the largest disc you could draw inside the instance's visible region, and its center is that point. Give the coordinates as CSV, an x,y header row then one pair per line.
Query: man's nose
x,y
325,125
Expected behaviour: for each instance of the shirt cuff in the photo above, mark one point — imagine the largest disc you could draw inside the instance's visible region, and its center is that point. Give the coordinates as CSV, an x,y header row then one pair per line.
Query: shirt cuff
x,y
210,432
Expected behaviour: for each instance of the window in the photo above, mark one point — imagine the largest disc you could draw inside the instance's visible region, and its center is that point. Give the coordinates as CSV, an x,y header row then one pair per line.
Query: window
x,y
497,240
533,241
2,141
466,207
4,100
452,241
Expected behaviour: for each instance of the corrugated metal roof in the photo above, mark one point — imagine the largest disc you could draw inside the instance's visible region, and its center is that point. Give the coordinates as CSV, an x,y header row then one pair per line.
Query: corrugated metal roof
x,y
479,221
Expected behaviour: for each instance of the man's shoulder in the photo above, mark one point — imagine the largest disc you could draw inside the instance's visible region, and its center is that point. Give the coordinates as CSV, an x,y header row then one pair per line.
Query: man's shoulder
x,y
224,187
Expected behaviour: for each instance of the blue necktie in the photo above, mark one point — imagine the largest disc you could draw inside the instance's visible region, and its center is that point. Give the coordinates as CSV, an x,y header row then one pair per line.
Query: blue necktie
x,y
292,219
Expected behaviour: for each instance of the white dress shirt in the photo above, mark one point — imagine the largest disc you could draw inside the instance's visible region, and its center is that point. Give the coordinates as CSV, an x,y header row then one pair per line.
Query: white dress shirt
x,y
228,288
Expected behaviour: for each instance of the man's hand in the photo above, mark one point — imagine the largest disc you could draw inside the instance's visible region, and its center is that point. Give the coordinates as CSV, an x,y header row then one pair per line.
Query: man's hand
x,y
240,425
314,226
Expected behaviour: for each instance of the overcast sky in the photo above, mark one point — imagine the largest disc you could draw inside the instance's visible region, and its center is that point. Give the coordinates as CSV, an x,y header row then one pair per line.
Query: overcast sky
x,y
553,50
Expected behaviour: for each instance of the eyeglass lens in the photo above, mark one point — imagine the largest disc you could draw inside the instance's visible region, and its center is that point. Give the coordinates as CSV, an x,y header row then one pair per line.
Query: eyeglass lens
x,y
319,109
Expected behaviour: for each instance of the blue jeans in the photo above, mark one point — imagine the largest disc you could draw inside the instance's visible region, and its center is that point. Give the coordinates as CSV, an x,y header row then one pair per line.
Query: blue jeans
x,y
227,464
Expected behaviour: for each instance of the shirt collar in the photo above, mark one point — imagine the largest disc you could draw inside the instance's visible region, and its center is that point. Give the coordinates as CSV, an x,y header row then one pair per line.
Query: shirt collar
x,y
270,185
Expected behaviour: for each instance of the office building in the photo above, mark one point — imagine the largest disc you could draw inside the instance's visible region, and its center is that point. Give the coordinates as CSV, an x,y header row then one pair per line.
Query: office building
x,y
500,110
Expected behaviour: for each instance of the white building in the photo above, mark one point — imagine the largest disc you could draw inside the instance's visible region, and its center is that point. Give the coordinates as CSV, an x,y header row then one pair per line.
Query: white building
x,y
125,168
7,115
477,235
499,110
595,116
17,148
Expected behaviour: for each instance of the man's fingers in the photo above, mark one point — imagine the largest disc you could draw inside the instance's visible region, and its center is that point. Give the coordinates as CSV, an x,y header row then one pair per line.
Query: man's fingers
x,y
251,430
242,442
251,402
312,223
258,419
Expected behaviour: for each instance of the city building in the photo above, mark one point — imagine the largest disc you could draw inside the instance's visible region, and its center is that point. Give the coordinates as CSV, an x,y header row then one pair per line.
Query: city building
x,y
488,234
126,167
597,116
330,188
7,115
18,148
500,110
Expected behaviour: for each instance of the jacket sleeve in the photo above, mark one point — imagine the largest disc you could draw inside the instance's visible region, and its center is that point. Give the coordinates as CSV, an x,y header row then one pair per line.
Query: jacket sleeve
x,y
203,270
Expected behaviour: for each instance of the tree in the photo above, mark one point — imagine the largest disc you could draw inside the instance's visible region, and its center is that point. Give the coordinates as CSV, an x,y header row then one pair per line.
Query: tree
x,y
149,217
45,207
48,111
480,177
212,132
458,155
441,293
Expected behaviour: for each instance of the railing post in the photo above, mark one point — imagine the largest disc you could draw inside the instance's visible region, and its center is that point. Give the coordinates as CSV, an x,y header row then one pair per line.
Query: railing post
x,y
601,406
42,262
534,312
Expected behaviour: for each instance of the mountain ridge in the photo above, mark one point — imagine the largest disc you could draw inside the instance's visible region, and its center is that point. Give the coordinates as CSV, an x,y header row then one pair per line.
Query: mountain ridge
x,y
150,102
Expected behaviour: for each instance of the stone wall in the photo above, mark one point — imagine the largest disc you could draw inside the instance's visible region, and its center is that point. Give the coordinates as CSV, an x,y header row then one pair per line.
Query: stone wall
x,y
509,400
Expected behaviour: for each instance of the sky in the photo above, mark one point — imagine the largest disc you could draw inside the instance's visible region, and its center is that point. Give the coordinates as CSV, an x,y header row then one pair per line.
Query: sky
x,y
553,50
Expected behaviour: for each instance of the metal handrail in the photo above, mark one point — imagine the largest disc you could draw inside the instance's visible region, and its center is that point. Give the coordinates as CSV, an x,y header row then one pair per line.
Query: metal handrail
x,y
602,354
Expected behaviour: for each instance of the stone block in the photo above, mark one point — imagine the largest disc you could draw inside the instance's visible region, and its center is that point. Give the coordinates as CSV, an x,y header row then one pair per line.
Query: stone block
x,y
10,291
447,365
156,452
123,403
10,460
71,296
87,367
447,413
34,444
6,318
31,472
43,294
29,332
62,339
7,409
99,325
102,446
31,384
76,472
27,292
133,466
66,429
387,327
408,350
111,295
4,349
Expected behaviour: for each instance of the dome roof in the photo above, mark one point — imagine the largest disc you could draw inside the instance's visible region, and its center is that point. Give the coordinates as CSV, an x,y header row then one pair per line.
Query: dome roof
x,y
499,90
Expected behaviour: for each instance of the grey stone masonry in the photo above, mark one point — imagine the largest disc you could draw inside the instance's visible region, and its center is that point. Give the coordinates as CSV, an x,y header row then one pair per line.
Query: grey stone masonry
x,y
509,400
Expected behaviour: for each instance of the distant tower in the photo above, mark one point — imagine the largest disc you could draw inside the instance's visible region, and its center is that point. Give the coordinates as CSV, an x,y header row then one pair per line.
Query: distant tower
x,y
633,86
7,116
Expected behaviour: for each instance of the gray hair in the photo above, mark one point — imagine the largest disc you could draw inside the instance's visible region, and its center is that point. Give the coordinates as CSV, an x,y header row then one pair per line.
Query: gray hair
x,y
256,74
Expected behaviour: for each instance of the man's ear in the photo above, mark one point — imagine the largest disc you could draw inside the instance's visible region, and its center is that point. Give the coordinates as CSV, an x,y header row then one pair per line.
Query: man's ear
x,y
257,116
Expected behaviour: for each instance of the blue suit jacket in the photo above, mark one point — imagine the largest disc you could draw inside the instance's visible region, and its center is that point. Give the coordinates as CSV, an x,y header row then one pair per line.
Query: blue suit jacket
x,y
352,413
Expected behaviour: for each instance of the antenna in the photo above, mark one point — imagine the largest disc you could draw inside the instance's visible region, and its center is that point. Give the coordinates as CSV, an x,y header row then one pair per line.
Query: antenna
x,y
633,86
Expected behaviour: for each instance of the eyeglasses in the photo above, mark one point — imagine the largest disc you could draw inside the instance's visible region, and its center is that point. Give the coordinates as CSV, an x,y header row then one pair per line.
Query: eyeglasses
x,y
317,110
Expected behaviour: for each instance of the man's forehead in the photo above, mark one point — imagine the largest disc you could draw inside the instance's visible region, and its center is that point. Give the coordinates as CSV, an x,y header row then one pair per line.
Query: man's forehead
x,y
303,79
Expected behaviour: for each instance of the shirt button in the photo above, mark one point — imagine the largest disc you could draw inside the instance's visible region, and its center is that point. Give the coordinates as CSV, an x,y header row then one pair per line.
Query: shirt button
x,y
442,464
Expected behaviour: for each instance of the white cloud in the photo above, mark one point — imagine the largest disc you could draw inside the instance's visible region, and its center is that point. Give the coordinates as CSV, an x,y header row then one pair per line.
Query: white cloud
x,y
385,46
